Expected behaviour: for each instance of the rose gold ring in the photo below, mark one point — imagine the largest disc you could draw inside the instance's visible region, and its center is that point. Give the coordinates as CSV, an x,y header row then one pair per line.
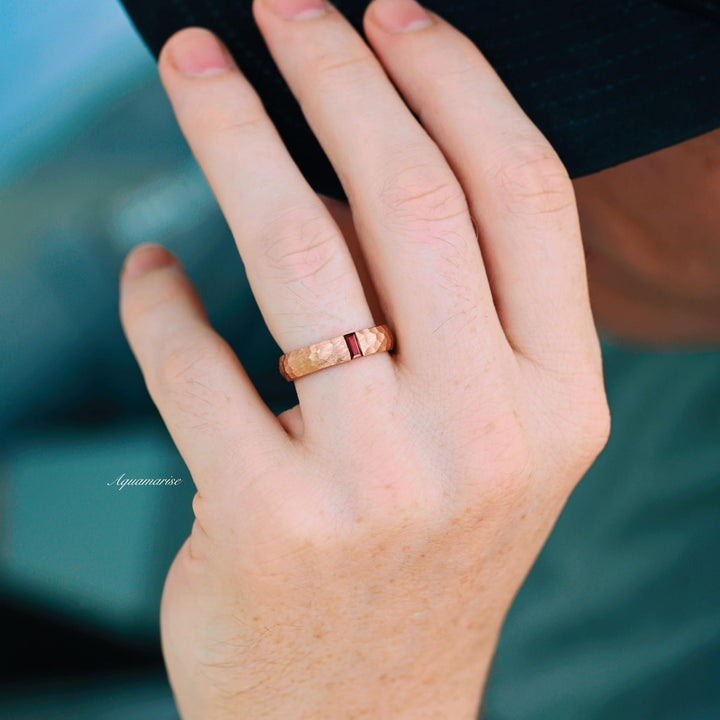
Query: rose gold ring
x,y
335,351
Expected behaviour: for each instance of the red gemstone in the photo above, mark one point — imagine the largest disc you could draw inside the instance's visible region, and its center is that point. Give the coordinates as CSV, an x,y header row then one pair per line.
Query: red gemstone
x,y
353,346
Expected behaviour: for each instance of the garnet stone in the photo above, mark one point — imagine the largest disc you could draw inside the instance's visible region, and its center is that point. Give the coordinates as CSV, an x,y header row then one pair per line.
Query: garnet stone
x,y
353,346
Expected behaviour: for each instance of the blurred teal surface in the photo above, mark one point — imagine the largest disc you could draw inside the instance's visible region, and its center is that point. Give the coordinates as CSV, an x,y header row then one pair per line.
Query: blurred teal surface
x,y
131,698
77,543
57,59
91,164
620,617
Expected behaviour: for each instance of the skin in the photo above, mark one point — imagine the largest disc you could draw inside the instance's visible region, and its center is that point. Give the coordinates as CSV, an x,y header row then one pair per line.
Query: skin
x,y
356,556
650,227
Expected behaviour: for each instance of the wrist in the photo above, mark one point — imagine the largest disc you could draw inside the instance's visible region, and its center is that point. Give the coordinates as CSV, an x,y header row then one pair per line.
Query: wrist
x,y
451,686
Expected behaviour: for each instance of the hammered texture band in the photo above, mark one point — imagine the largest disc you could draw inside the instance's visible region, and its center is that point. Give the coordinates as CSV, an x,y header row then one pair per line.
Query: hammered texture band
x,y
335,351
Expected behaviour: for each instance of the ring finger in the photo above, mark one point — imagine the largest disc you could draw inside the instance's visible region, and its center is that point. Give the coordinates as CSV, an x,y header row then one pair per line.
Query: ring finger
x,y
409,209
296,260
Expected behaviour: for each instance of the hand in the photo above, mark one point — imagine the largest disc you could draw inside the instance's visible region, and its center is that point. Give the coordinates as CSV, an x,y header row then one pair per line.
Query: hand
x,y
651,229
356,556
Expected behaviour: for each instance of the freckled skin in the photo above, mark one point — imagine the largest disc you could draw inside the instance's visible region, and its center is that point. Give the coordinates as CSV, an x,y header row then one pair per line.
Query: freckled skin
x,y
356,557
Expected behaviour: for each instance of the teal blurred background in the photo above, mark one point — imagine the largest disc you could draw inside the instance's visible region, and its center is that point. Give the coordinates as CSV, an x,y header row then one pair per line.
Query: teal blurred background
x,y
620,618
91,164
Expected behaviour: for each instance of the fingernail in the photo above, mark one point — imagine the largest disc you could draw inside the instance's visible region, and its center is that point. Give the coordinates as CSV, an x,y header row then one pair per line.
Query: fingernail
x,y
145,258
196,52
298,9
400,15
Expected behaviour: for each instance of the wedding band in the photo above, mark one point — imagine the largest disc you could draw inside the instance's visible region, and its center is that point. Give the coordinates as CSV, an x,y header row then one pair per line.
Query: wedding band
x,y
336,351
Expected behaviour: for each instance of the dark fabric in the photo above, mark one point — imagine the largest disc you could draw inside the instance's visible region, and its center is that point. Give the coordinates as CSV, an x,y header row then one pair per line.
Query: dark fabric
x,y
605,81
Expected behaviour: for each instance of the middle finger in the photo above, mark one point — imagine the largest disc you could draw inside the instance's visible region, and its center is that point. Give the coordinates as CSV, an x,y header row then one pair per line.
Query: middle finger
x,y
409,209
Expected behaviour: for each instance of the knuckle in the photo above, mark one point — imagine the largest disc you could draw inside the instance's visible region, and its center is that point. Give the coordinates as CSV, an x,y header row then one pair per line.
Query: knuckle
x,y
513,460
199,504
190,363
245,115
332,70
503,487
533,181
498,443
301,247
597,428
147,298
587,427
423,194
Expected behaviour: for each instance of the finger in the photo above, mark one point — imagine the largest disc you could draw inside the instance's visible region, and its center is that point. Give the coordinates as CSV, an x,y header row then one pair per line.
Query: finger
x,y
342,216
409,210
517,188
209,405
297,262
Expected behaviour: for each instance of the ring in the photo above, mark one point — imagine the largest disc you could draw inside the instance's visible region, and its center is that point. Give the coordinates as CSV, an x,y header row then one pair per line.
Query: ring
x,y
336,351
